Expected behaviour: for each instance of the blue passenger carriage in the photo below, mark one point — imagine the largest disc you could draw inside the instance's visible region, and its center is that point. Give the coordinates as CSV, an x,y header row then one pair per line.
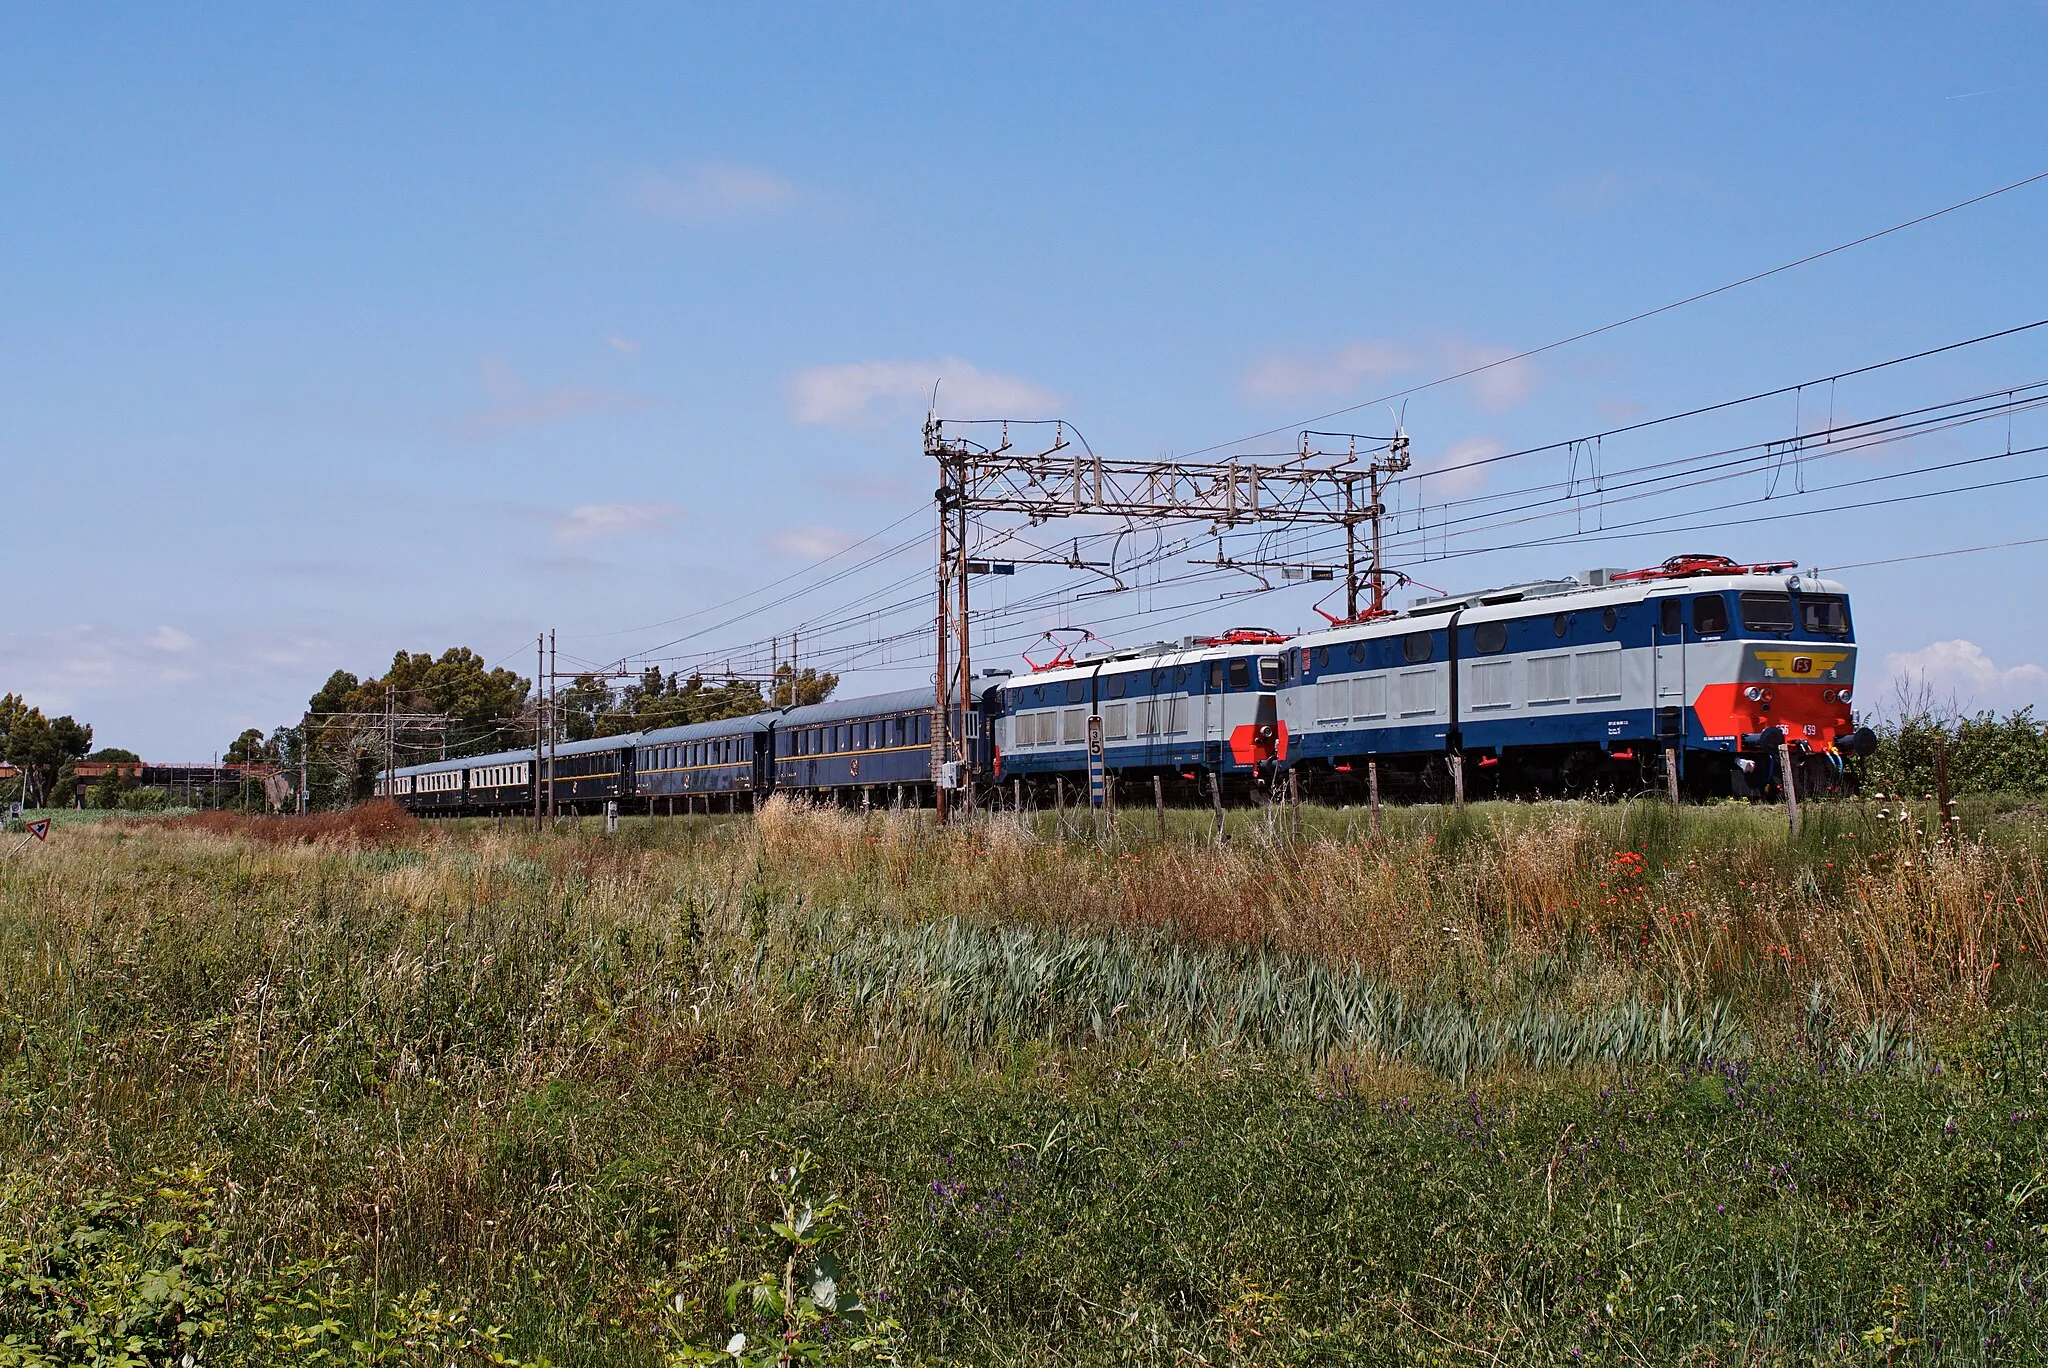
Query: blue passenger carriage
x,y
729,760
844,745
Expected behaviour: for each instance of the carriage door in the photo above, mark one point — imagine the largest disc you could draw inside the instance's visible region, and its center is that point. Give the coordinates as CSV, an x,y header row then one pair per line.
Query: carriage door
x,y
1668,666
1214,728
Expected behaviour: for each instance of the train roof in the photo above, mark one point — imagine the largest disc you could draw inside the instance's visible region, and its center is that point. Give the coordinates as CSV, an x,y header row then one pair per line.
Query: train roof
x,y
1239,641
705,731
846,709
1593,589
508,757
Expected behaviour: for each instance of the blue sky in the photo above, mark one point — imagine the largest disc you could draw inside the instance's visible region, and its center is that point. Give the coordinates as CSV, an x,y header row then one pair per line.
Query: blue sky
x,y
329,332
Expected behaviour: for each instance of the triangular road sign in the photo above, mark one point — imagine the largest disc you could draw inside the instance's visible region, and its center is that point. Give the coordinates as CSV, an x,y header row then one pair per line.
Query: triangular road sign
x,y
40,828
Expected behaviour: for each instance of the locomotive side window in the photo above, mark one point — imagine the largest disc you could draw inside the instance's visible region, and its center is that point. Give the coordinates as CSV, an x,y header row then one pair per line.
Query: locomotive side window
x,y
1560,624
1417,647
1116,686
1767,612
1490,638
1215,676
1272,669
1358,653
1077,691
1609,619
1240,675
1709,614
1825,613
1668,617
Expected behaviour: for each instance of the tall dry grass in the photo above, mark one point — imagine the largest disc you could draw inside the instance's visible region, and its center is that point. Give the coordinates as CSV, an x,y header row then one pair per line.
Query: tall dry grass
x,y
1592,903
534,1067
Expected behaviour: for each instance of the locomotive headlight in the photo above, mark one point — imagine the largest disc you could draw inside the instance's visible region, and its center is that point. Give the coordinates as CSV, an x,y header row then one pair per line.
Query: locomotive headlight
x,y
1756,693
1841,695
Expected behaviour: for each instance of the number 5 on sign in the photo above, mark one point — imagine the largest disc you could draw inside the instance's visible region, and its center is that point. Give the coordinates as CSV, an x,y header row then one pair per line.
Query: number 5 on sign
x,y
1095,784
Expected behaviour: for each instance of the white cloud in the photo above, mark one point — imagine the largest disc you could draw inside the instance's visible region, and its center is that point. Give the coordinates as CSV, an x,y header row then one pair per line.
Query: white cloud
x,y
1502,384
624,346
518,403
592,522
862,393
172,640
1962,670
1279,375
711,192
810,543
1459,468
58,670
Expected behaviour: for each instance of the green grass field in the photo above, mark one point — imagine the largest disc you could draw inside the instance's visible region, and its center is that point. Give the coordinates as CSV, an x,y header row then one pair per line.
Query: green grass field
x,y
1515,1084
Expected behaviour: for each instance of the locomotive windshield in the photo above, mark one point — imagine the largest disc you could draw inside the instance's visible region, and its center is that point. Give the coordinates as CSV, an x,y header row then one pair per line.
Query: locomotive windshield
x,y
1271,670
1825,613
1767,612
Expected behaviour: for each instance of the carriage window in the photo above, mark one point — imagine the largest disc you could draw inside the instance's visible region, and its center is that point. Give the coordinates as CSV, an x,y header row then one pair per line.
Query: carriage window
x,y
1490,638
1240,674
1767,612
1709,614
1417,647
1826,613
1668,617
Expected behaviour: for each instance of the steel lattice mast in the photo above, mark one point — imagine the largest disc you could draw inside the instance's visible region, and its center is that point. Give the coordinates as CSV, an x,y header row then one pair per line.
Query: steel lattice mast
x,y
1065,479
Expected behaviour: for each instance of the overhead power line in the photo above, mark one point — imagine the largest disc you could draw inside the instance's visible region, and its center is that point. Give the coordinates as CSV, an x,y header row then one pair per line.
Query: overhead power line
x,y
1694,298
1938,555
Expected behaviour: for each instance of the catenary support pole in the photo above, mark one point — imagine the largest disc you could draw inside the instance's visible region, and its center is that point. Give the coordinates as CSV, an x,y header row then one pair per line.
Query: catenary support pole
x,y
1944,799
1789,784
540,688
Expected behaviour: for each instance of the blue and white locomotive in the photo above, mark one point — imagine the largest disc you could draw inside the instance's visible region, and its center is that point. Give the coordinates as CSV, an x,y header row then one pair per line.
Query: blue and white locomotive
x,y
1558,686
1613,679
1203,708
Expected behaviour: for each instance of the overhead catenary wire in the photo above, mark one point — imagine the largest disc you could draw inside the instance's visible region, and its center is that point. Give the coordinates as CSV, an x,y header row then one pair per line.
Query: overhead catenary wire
x,y
1638,317
828,634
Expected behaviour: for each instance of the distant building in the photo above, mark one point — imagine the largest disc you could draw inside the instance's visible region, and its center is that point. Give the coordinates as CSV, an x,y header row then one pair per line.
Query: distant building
x,y
176,777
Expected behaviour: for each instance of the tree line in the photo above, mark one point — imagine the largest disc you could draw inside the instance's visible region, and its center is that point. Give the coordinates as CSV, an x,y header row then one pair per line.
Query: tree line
x,y
423,707
427,707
